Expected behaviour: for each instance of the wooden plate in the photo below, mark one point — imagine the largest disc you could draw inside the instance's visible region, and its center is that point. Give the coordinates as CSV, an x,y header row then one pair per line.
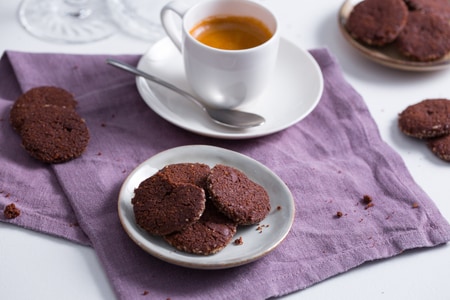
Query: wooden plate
x,y
388,55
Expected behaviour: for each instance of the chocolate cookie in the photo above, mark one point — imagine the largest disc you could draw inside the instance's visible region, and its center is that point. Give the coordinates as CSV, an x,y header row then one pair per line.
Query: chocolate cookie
x,y
209,235
437,7
236,196
193,173
162,207
54,134
427,119
441,147
38,97
426,37
377,22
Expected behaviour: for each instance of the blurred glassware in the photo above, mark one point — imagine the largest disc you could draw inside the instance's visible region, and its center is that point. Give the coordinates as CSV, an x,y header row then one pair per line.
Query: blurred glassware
x,y
69,21
139,18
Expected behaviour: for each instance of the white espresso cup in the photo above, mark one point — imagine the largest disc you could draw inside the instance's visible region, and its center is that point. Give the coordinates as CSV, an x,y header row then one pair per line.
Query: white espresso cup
x,y
223,78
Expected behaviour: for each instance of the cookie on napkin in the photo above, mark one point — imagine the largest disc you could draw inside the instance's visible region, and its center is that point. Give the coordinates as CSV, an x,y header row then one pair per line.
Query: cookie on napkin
x,y
38,97
54,134
51,129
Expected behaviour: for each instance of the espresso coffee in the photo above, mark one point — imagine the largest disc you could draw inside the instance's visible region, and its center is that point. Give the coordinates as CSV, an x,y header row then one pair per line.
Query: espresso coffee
x,y
231,32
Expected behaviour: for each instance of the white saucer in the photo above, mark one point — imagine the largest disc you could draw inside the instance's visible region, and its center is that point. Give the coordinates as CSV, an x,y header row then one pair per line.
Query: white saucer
x,y
257,242
295,91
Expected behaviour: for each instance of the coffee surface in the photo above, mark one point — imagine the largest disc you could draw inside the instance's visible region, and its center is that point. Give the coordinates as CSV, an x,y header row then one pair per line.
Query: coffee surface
x,y
231,32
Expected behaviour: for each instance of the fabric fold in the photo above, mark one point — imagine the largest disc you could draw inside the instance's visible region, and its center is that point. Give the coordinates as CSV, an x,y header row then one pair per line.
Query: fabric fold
x,y
329,160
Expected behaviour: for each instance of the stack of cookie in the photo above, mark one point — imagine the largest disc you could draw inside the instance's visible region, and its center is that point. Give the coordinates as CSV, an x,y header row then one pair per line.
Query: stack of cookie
x,y
51,129
429,120
419,29
197,209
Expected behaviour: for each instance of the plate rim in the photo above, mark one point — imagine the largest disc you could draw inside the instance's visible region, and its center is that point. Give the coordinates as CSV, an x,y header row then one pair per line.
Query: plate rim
x,y
137,235
144,88
379,56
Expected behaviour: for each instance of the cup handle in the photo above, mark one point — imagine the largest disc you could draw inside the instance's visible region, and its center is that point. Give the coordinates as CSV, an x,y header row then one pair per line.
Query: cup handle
x,y
168,22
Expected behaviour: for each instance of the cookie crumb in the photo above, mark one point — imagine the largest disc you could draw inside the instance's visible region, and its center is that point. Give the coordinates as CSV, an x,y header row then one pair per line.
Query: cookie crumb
x,y
11,211
145,293
367,199
370,204
339,214
278,207
239,241
75,224
415,205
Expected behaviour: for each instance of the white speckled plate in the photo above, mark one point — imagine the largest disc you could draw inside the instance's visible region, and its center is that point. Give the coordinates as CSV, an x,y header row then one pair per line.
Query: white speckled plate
x,y
388,55
257,243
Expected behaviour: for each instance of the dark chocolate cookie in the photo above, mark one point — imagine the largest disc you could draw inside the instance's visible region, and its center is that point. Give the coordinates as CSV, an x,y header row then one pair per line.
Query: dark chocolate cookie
x,y
236,196
437,7
193,173
38,97
209,235
427,119
162,207
377,22
441,147
54,134
426,37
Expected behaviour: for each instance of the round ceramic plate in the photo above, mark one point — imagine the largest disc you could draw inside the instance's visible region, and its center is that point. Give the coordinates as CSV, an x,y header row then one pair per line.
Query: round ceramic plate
x,y
257,241
388,55
295,90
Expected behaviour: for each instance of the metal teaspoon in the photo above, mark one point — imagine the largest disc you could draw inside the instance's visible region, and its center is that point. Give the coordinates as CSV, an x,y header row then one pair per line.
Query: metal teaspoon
x,y
225,117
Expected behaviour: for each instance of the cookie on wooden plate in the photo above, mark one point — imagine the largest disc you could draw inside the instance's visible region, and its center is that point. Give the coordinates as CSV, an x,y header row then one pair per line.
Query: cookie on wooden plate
x,y
426,37
54,134
440,147
437,7
236,196
377,22
427,119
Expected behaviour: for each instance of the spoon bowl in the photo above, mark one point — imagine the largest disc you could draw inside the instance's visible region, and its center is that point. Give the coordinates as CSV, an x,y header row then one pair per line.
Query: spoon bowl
x,y
226,117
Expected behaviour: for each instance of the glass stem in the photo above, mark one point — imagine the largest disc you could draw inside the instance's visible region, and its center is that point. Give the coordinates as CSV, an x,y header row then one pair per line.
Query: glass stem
x,y
78,8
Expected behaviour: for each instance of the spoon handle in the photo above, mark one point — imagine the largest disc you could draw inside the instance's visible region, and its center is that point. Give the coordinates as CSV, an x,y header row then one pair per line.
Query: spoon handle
x,y
136,71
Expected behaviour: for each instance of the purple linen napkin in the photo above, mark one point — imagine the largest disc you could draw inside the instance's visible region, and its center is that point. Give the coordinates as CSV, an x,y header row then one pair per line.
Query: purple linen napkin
x,y
329,161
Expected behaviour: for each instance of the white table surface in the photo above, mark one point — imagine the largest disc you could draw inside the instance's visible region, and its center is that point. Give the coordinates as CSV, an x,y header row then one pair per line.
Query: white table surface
x,y
38,266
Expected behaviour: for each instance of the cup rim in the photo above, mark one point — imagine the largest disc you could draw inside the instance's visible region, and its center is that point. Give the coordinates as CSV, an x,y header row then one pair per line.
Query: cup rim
x,y
274,36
